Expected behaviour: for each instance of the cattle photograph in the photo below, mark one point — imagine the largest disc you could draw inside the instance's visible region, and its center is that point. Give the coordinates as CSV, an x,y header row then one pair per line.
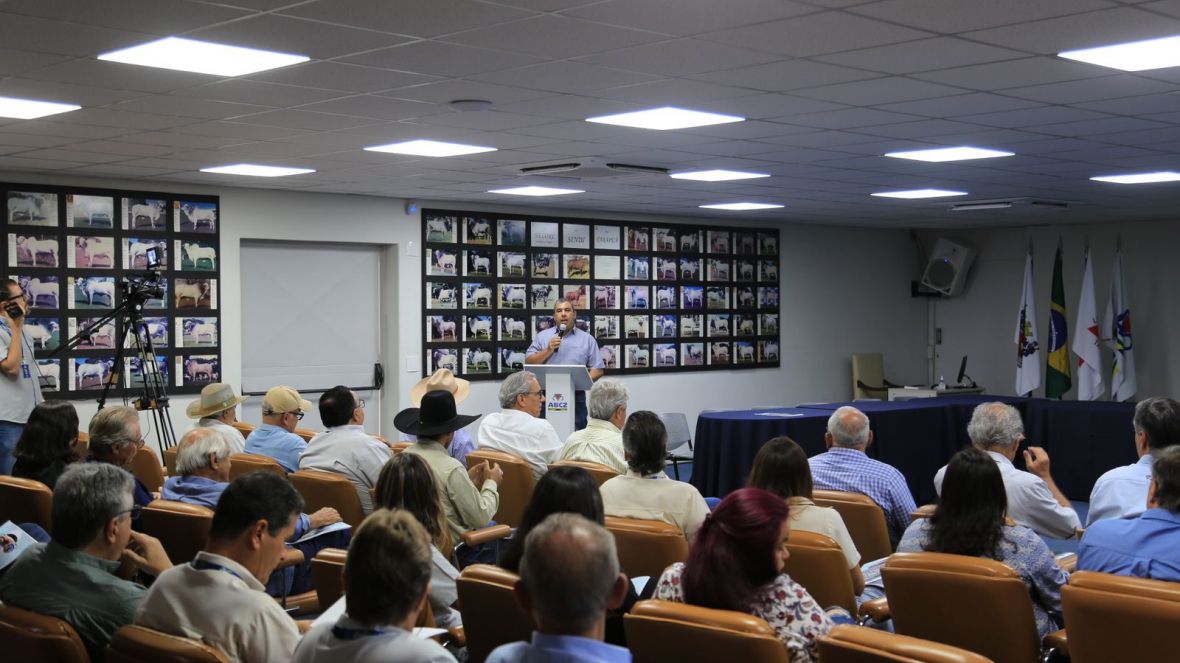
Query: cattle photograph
x,y
441,294
512,263
32,209
440,229
33,250
664,239
606,327
477,295
88,373
768,324
691,326
197,370
514,328
441,262
94,334
577,295
512,232
195,255
610,355
665,354
768,270
543,322
144,214
606,296
718,353
692,354
635,326
135,374
477,361
44,333
195,293
743,352
664,326
718,325
718,241
196,217
90,252
577,265
638,239
767,244
447,358
638,268
478,327
513,295
768,351
543,296
42,292
717,297
136,252
478,261
156,331
92,291
638,356
90,211
692,296
718,270
637,296
544,265
442,328
477,230
511,359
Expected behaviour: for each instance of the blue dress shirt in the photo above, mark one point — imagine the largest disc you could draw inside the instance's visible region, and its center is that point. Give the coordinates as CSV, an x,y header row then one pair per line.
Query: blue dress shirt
x,y
278,443
1144,547
546,648
1121,492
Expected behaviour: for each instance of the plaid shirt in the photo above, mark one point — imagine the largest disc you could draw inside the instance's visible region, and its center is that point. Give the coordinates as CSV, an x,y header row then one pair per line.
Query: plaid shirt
x,y
852,471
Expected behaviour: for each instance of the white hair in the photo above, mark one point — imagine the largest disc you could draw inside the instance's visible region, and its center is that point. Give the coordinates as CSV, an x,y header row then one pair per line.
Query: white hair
x,y
606,396
849,427
515,385
995,426
111,426
195,447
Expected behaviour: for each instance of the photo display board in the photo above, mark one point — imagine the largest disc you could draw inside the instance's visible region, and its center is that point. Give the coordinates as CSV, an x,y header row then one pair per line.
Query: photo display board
x,y
70,248
657,297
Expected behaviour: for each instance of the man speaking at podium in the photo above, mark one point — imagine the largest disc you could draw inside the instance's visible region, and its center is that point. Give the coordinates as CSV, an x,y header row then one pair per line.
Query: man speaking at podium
x,y
565,344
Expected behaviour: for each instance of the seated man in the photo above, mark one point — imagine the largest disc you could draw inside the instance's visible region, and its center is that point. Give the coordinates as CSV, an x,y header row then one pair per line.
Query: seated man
x,y
1033,498
73,576
1144,546
568,556
846,467
386,581
444,380
601,441
115,438
217,410
1122,492
645,492
217,597
345,448
517,429
282,409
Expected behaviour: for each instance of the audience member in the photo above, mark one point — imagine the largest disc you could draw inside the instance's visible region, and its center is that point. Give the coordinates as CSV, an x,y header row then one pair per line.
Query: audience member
x,y
217,409
569,578
645,492
781,468
20,388
563,490
282,410
115,438
517,428
601,441
1122,492
443,379
73,577
345,448
1033,498
49,443
845,467
736,563
218,597
386,579
969,520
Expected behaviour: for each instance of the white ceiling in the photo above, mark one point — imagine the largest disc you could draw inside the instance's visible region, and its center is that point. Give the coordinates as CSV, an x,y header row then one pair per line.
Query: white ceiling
x,y
828,86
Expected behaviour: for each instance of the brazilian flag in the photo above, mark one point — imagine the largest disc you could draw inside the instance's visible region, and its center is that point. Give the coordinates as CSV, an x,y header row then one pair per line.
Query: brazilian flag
x,y
1057,379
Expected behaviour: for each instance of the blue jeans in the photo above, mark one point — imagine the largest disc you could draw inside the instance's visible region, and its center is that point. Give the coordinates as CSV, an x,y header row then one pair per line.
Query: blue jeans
x,y
9,434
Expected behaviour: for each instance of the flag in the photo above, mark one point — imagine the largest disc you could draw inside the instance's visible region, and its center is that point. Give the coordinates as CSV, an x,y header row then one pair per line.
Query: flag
x,y
1057,376
1028,350
1086,339
1116,327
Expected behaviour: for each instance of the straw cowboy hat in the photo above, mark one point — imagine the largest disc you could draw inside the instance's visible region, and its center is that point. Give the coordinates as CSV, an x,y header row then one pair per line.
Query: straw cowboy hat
x,y
216,397
442,380
436,416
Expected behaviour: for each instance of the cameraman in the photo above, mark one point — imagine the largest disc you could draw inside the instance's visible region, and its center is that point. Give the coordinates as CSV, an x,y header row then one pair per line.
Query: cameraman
x,y
20,389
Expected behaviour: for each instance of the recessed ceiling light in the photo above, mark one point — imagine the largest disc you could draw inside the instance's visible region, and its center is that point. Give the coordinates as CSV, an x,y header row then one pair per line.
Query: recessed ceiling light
x,y
202,57
28,109
920,193
1131,56
255,170
742,206
535,191
430,148
1139,178
941,154
716,175
665,118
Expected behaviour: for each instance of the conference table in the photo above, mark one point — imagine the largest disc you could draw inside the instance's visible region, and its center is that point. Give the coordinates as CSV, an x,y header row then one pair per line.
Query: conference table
x,y
1084,439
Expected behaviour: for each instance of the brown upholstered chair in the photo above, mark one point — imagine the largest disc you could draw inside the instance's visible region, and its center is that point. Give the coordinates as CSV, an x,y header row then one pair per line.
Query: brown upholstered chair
x,y
244,463
863,518
244,428
856,644
138,644
515,490
1120,618
327,572
182,528
599,472
170,460
26,501
660,631
398,447
28,636
145,465
817,563
305,433
320,489
647,547
491,615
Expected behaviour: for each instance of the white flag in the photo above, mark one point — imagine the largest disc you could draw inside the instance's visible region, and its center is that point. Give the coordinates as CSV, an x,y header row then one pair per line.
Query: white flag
x,y
1028,348
1086,338
1116,328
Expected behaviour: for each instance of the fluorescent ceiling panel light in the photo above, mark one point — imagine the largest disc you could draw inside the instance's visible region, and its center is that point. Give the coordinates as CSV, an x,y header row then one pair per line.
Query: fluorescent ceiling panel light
x,y
1139,178
430,148
716,175
665,118
28,109
941,154
535,191
202,57
741,207
919,193
1131,56
255,170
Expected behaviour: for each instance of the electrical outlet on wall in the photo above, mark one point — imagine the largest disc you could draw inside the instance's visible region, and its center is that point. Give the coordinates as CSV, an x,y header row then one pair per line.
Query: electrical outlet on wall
x,y
412,249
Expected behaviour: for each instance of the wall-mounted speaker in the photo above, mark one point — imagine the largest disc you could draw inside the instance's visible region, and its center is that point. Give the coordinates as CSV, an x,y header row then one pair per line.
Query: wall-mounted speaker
x,y
946,270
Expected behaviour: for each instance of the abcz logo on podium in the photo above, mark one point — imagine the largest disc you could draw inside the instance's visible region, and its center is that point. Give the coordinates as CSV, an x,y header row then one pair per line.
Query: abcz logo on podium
x,y
558,403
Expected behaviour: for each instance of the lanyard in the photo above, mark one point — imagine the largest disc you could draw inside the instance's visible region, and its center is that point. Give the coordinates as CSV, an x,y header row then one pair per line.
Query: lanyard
x,y
355,633
204,565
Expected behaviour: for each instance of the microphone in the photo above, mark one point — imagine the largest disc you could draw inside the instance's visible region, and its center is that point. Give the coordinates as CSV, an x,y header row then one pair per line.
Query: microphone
x,y
562,329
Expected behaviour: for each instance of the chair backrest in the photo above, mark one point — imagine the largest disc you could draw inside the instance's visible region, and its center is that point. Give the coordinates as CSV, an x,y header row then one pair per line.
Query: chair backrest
x,y
398,447
867,368
26,501
676,423
145,465
962,601
243,463
320,489
28,636
515,490
599,472
855,644
863,518
170,460
817,563
670,631
647,547
327,572
305,433
491,614
183,529
1113,618
137,644
244,428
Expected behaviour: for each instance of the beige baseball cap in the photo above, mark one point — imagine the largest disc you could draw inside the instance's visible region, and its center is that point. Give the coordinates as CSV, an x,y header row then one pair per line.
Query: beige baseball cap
x,y
284,399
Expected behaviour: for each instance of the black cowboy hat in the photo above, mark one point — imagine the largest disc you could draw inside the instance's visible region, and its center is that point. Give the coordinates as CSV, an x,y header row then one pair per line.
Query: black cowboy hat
x,y
436,416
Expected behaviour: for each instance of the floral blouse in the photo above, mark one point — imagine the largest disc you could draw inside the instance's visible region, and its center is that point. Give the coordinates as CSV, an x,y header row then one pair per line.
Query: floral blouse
x,y
783,603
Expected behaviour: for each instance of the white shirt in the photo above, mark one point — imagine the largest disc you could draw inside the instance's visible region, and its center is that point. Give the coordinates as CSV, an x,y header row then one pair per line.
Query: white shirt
x,y
521,434
807,517
365,644
224,607
237,443
350,451
1121,492
655,497
599,442
20,394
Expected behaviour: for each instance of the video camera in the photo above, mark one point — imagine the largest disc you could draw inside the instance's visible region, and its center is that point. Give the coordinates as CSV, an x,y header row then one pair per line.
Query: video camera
x,y
147,286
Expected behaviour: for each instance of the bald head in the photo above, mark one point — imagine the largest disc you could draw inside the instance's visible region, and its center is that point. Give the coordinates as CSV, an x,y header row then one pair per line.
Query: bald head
x,y
570,573
848,427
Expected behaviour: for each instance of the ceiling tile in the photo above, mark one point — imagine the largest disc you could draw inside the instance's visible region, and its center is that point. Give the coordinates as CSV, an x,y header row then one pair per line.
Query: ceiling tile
x,y
339,76
438,59
246,91
285,34
1014,73
849,118
914,56
672,92
418,19
689,17
486,121
377,108
83,95
555,37
1099,28
680,57
879,90
1031,117
110,117
568,77
188,107
298,119
962,104
942,16
15,63
158,17
118,76
446,91
1107,125
1093,89
817,34
787,75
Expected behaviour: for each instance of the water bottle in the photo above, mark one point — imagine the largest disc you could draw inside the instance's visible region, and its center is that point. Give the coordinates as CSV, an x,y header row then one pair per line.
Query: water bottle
x,y
941,386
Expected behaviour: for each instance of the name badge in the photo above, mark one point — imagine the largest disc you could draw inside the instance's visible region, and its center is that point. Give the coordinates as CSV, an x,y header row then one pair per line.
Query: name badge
x,y
25,369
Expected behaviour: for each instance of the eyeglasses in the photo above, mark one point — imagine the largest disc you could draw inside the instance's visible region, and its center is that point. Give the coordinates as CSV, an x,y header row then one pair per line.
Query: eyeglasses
x,y
361,403
539,392
139,442
298,414
135,510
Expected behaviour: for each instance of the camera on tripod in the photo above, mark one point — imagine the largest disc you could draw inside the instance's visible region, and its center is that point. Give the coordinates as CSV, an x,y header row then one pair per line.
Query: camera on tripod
x,y
140,288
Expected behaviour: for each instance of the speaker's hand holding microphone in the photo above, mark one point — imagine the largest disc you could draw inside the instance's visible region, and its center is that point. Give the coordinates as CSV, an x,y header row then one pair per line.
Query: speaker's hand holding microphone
x,y
555,342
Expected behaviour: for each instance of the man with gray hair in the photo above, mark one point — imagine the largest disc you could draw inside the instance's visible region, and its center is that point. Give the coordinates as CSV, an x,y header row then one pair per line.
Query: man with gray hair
x,y
601,441
1122,492
1033,498
845,467
115,438
517,429
569,578
73,577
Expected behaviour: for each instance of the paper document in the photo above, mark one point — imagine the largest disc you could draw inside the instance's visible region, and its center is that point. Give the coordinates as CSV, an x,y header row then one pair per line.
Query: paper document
x,y
334,613
326,529
779,414
639,583
21,542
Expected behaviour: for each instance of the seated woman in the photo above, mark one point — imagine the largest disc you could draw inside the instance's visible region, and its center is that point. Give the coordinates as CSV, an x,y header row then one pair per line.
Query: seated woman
x,y
781,468
970,521
49,443
736,563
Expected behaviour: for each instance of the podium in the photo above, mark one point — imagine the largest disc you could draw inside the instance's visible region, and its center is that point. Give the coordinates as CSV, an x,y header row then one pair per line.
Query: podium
x,y
560,381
